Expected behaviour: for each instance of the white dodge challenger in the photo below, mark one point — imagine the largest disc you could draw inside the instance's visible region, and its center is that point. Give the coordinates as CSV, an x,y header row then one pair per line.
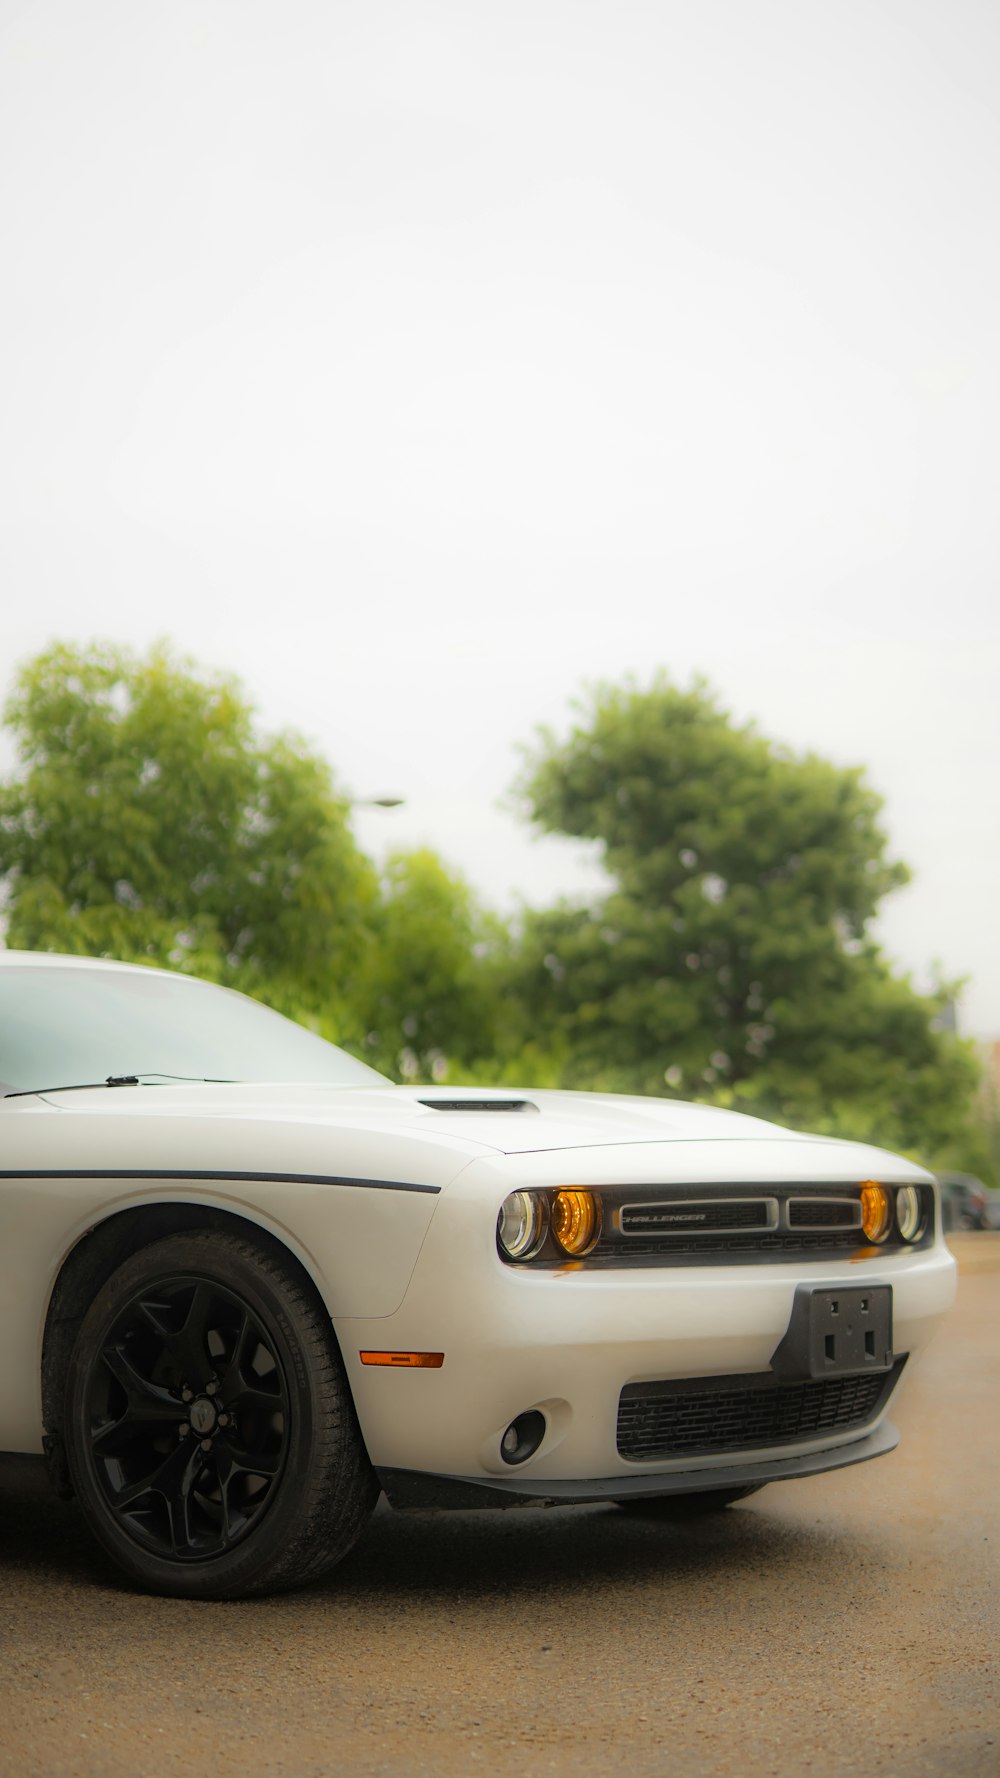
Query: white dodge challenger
x,y
246,1283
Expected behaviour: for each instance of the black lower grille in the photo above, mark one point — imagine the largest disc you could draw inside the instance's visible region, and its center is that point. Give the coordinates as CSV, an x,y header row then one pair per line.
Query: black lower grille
x,y
841,1242
706,1415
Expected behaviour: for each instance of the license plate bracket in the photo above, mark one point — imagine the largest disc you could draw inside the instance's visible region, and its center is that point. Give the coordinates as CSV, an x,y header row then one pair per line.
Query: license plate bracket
x,y
837,1332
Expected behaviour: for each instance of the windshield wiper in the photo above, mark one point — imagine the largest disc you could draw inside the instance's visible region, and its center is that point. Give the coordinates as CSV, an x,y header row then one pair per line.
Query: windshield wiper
x,y
121,1080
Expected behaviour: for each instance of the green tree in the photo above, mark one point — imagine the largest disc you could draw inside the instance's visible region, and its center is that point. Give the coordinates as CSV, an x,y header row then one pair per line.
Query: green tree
x,y
428,998
149,821
730,959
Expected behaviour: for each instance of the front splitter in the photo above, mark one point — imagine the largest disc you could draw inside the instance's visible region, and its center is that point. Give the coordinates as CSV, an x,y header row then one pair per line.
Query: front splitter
x,y
417,1490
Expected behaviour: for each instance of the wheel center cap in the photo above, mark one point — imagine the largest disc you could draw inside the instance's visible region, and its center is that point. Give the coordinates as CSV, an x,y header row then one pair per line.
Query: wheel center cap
x,y
202,1416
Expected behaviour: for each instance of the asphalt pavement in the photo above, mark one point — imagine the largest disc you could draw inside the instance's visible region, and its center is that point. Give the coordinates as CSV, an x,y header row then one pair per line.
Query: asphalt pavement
x,y
849,1624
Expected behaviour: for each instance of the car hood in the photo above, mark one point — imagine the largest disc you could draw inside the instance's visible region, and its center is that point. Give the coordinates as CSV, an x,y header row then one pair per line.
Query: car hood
x,y
506,1122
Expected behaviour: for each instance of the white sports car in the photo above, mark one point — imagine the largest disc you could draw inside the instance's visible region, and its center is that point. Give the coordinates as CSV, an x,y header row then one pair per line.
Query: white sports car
x,y
246,1283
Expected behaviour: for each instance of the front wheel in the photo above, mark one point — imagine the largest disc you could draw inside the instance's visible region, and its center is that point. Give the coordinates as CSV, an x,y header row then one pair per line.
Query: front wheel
x,y
686,1506
210,1432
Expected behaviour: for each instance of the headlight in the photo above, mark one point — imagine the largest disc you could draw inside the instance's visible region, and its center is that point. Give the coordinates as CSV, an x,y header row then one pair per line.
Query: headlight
x,y
576,1219
909,1212
521,1224
876,1211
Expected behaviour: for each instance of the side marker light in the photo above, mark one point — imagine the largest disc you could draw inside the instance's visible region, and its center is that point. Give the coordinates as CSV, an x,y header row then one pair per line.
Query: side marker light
x,y
414,1361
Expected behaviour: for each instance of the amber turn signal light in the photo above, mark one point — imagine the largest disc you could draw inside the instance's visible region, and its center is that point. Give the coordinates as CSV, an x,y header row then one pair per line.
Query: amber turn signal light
x,y
876,1211
419,1361
575,1219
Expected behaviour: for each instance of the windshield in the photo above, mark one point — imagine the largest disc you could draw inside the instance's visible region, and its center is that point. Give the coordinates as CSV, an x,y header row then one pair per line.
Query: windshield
x,y
63,1027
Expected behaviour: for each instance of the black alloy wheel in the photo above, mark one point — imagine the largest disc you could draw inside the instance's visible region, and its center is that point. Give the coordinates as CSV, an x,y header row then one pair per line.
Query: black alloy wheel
x,y
187,1416
211,1436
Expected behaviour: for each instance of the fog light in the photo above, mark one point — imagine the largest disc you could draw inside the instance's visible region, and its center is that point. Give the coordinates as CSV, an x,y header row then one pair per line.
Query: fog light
x,y
909,1212
523,1437
521,1224
576,1220
876,1211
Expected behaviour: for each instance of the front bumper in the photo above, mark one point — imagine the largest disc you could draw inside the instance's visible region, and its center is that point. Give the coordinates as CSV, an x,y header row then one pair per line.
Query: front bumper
x,y
566,1343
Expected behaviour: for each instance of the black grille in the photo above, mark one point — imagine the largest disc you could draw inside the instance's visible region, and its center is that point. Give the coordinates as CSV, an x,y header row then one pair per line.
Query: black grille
x,y
681,1219
657,1421
825,1213
732,1222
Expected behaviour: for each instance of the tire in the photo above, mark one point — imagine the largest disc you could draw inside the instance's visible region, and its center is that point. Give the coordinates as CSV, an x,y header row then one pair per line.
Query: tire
x,y
687,1506
210,1432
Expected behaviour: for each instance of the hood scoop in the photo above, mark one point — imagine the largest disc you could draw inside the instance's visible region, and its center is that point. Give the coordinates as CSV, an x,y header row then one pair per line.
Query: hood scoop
x,y
479,1105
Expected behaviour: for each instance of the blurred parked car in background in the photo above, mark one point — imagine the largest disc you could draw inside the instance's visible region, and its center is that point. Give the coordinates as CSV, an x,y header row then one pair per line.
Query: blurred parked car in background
x,y
966,1203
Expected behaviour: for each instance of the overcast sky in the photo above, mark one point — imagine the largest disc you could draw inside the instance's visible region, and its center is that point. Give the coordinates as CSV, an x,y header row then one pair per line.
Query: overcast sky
x,y
420,361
